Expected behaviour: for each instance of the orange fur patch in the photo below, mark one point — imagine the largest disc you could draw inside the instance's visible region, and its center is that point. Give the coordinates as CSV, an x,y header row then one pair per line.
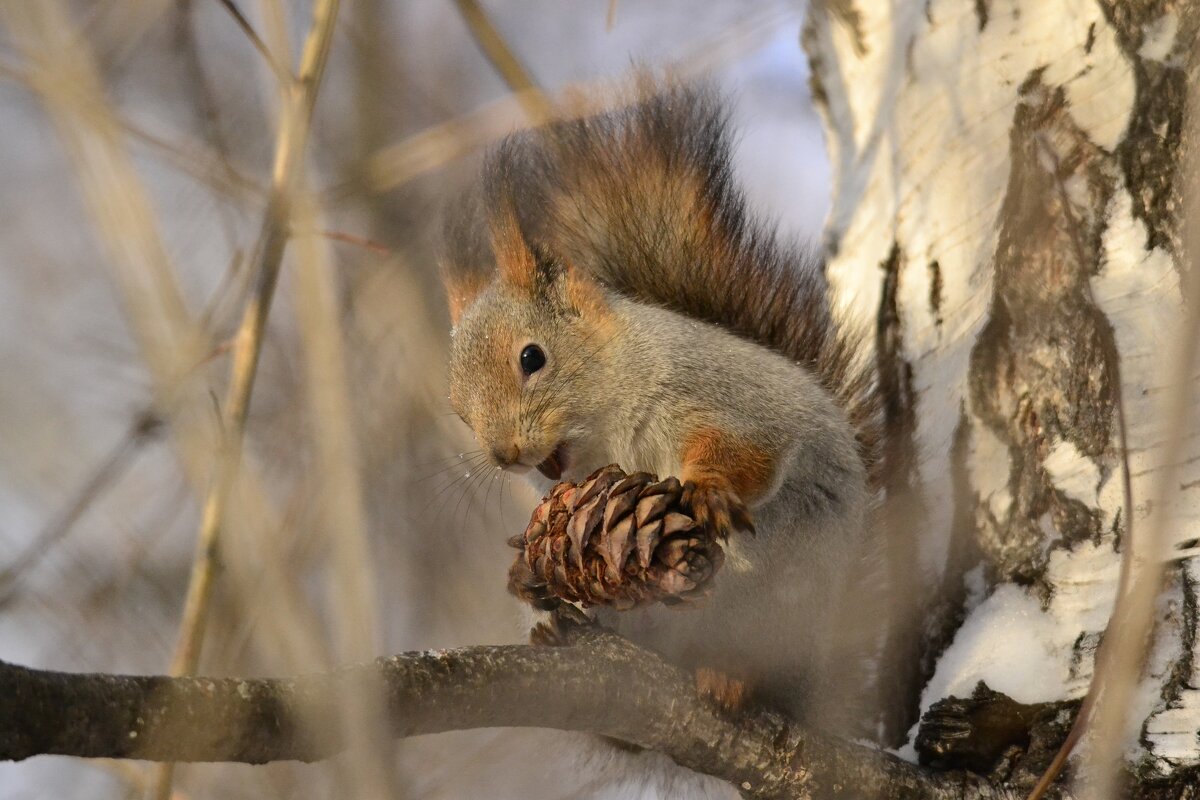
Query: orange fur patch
x,y
586,296
514,259
711,456
726,691
461,291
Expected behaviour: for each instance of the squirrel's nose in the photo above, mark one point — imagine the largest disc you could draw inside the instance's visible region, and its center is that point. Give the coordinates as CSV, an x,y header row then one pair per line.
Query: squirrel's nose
x,y
506,454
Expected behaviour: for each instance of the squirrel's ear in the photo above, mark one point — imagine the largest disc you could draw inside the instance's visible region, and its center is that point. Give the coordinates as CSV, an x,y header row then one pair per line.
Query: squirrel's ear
x,y
466,264
530,270
462,287
514,257
584,294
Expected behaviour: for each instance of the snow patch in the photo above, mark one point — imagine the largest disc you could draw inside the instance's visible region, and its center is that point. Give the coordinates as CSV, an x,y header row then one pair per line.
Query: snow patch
x,y
1158,38
1074,474
1015,646
1008,643
987,462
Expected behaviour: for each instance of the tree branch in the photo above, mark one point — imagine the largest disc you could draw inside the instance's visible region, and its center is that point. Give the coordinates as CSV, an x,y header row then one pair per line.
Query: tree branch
x,y
602,684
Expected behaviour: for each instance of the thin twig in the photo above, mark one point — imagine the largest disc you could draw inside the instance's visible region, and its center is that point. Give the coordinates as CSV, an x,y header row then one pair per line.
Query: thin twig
x,y
205,104
280,70
290,143
378,248
502,57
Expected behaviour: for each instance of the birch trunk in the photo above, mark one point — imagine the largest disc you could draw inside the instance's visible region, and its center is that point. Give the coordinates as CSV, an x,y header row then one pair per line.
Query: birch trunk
x,y
1008,213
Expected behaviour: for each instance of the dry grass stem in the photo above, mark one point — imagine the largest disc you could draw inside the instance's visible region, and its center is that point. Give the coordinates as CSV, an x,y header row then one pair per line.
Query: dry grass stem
x,y
281,72
1130,633
502,57
439,145
341,513
290,142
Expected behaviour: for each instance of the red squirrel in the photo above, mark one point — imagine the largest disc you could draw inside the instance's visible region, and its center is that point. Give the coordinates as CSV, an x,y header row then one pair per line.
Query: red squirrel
x,y
614,301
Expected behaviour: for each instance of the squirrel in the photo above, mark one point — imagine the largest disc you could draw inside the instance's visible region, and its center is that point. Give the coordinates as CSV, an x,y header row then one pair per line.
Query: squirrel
x,y
613,300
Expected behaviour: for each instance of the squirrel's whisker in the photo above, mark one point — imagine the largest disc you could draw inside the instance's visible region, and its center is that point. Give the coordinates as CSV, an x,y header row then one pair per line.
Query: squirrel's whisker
x,y
558,379
441,493
468,463
456,457
545,386
555,400
468,493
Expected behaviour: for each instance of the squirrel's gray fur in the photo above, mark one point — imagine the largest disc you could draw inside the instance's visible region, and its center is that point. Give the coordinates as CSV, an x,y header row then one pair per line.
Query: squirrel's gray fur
x,y
665,308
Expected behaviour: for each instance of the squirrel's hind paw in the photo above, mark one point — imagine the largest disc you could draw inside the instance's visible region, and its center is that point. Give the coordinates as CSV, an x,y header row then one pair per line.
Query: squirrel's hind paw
x,y
726,691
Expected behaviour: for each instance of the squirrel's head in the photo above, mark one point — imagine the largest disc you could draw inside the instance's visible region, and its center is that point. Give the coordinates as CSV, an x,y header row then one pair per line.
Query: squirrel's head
x,y
527,355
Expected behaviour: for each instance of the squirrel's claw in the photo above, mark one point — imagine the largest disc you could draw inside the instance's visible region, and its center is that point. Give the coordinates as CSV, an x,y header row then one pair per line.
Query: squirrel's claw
x,y
728,692
717,508
564,625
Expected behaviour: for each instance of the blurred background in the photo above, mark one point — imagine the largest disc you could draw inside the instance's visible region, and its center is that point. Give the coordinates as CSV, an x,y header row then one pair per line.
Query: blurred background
x,y
136,143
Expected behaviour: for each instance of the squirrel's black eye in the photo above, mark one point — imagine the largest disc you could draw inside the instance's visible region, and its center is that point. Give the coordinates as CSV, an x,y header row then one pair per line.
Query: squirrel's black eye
x,y
532,359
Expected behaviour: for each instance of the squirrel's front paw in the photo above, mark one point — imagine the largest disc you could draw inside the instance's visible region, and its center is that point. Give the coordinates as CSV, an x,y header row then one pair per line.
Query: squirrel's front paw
x,y
716,507
616,540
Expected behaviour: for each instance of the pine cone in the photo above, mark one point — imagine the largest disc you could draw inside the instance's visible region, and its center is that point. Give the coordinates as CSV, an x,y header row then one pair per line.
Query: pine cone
x,y
614,540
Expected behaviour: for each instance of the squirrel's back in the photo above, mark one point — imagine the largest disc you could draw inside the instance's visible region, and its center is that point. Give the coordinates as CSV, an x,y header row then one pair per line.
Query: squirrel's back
x,y
643,199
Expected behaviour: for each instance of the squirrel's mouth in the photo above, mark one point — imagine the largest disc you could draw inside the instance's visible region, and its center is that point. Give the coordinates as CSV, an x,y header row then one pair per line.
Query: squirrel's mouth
x,y
555,463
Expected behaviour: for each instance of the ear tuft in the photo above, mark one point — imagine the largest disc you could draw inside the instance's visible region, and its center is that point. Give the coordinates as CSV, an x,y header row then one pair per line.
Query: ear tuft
x,y
585,294
466,264
462,287
514,257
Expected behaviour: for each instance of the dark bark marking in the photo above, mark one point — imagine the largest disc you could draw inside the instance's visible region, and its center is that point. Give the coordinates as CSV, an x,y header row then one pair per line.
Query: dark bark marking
x,y
935,291
1042,370
981,13
922,630
1151,150
975,732
1011,743
850,17
948,609
904,513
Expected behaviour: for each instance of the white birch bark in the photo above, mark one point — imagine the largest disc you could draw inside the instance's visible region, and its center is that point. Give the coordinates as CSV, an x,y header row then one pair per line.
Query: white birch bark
x,y
1010,166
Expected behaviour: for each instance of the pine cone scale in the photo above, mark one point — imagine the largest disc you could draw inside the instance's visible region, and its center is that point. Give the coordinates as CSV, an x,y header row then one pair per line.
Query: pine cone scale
x,y
617,540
